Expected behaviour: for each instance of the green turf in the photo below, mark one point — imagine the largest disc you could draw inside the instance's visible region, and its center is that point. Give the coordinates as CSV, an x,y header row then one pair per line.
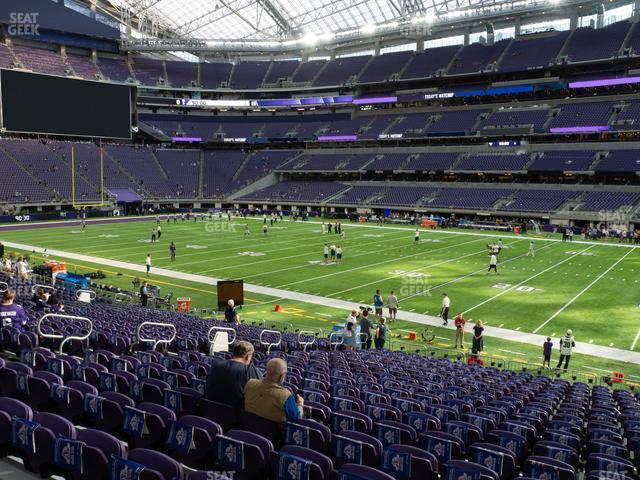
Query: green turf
x,y
586,287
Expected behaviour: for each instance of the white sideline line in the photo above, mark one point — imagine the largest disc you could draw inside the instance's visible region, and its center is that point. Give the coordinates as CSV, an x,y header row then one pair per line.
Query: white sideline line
x,y
528,279
280,294
582,291
635,340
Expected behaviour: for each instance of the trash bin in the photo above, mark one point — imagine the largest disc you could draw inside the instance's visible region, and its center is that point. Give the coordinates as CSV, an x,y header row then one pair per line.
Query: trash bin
x,y
184,304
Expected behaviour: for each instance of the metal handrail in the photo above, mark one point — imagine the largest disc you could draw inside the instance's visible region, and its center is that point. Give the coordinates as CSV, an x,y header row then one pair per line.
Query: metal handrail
x,y
92,294
270,344
274,324
156,341
212,341
335,344
123,297
36,286
57,336
306,333
4,287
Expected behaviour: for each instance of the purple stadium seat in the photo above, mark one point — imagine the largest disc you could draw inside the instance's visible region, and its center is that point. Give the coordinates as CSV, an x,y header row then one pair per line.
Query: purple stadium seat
x,y
443,445
98,448
307,433
157,419
158,465
461,468
51,426
39,386
538,466
204,437
261,426
321,467
10,407
346,420
223,415
356,447
257,452
390,432
499,459
610,463
423,464
351,470
557,451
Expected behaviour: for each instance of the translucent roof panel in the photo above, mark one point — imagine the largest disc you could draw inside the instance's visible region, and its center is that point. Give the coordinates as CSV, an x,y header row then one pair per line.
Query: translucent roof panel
x,y
274,19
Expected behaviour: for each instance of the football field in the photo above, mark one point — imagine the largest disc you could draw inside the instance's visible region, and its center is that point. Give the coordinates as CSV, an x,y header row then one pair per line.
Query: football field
x,y
589,287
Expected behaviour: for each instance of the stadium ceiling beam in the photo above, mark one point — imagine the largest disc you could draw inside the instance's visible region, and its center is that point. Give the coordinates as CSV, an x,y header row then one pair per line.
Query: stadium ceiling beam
x,y
233,8
327,9
396,7
277,16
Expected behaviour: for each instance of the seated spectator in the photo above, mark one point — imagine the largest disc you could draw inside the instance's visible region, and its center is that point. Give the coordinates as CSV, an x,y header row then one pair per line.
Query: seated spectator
x,y
269,399
53,303
228,377
7,266
12,315
40,299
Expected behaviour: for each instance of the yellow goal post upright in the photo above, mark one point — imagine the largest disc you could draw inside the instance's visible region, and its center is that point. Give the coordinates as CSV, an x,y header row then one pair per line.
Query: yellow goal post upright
x,y
83,205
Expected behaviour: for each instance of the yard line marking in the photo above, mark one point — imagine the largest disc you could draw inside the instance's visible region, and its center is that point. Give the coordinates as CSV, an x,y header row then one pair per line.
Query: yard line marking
x,y
635,340
512,352
483,269
415,270
564,307
513,287
594,368
426,252
304,265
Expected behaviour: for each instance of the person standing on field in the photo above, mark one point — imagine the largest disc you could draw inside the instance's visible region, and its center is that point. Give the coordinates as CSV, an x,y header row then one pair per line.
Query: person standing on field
x,y
493,263
459,322
566,347
392,305
444,310
378,303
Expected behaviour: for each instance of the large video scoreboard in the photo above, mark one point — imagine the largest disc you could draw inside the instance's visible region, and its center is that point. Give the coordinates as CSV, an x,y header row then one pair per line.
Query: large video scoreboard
x,y
46,104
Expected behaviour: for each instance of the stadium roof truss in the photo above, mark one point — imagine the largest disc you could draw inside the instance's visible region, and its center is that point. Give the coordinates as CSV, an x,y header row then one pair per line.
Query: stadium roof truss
x,y
287,24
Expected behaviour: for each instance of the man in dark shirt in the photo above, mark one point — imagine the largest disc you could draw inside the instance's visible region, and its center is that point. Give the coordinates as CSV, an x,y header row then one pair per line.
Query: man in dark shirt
x,y
144,294
231,313
227,378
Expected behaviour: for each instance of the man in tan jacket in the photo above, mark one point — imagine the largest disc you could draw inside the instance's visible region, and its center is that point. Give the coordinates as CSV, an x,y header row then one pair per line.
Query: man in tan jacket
x,y
267,398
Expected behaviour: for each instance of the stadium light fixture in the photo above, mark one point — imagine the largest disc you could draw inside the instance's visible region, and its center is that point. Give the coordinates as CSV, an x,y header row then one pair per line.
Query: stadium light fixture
x,y
369,29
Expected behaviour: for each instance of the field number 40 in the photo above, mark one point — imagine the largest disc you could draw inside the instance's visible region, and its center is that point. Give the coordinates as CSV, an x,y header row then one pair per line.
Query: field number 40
x,y
521,288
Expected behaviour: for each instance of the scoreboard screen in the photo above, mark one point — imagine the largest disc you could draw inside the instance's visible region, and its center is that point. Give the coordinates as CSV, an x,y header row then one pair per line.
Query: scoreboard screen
x,y
34,103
